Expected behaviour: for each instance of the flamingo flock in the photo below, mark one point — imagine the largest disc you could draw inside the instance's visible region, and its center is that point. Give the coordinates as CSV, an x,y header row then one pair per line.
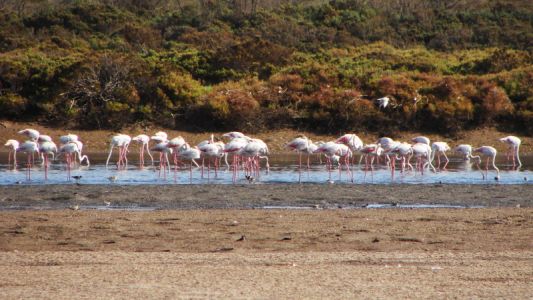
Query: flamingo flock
x,y
246,154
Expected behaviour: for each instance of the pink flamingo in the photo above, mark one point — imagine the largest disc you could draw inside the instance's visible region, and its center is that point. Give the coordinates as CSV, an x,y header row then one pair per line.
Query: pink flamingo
x,y
13,145
69,149
175,144
465,150
46,149
32,134
403,152
254,151
372,150
143,140
164,150
388,145
211,151
300,144
422,152
440,148
122,141
353,141
514,145
421,140
490,153
331,150
28,147
189,153
234,147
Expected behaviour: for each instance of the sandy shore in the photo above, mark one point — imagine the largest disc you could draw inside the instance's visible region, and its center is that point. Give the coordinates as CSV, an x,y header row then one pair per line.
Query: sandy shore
x,y
212,241
445,253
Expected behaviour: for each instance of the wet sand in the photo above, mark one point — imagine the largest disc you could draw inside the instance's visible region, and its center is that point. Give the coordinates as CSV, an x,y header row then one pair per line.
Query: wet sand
x,y
275,254
258,195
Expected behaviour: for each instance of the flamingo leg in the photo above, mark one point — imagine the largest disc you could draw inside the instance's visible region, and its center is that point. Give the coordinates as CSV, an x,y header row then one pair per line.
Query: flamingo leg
x,y
300,167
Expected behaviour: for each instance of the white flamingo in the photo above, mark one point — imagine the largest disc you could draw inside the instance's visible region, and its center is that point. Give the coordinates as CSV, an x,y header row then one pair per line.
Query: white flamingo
x,y
13,145
28,147
144,141
440,148
122,141
514,146
490,153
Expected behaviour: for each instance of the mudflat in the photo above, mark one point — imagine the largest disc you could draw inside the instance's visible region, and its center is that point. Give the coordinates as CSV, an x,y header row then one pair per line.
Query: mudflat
x,y
281,254
242,196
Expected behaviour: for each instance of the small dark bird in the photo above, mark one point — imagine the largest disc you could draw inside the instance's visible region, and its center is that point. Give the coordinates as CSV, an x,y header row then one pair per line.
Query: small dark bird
x,y
77,177
250,179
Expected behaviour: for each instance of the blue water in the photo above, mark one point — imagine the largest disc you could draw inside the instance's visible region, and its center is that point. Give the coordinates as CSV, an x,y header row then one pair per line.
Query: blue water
x,y
283,170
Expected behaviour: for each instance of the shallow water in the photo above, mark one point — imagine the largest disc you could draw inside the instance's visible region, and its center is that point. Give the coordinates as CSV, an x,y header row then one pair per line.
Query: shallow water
x,y
283,170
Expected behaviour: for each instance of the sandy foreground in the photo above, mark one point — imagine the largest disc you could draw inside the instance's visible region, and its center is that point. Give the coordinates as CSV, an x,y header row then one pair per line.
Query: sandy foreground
x,y
273,254
215,242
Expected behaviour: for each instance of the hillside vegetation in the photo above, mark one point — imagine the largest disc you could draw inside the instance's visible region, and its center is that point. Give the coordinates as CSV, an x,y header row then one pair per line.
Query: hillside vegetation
x,y
261,65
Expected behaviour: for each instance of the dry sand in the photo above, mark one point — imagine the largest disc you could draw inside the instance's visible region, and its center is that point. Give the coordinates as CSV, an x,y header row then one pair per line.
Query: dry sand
x,y
315,254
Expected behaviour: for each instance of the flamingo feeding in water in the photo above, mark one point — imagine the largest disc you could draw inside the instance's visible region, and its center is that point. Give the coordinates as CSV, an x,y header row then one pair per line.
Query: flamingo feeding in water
x,y
164,150
422,152
28,147
122,141
465,150
46,149
440,148
13,145
143,140
189,153
490,153
514,145
301,144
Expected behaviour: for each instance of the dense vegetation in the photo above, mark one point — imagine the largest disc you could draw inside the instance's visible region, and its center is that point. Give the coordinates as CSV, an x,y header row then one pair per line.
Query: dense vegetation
x,y
258,65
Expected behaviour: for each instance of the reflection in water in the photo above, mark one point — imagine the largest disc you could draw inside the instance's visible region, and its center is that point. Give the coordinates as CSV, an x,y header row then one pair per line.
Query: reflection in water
x,y
284,169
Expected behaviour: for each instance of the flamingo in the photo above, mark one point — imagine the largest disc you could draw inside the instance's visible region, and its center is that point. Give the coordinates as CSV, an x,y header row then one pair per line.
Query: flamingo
x,y
122,141
490,153
514,145
28,147
332,149
175,144
164,150
160,137
212,151
235,146
465,150
404,152
32,134
189,153
144,140
351,140
440,148
421,139
422,151
69,149
234,134
65,139
47,148
254,151
13,145
372,150
388,145
301,144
